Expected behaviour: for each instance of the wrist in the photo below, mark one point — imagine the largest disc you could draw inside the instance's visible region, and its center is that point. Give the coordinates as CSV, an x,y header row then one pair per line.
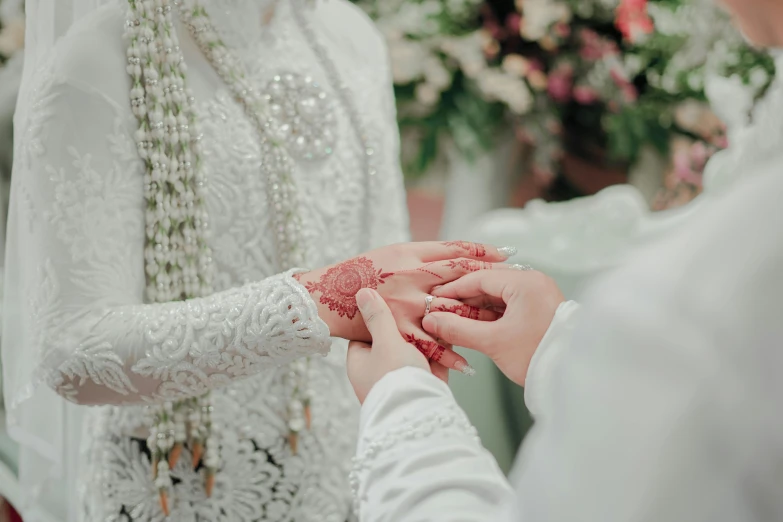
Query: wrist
x,y
335,323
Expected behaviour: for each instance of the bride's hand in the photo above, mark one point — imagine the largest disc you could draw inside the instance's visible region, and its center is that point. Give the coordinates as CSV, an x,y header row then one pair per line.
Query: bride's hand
x,y
528,301
366,365
403,275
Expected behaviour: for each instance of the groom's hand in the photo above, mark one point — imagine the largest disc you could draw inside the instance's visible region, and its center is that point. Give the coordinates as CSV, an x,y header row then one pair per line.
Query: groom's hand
x,y
529,300
389,351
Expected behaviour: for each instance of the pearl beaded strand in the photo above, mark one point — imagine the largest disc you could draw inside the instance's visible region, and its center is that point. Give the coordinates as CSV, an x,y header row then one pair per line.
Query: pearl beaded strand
x,y
177,256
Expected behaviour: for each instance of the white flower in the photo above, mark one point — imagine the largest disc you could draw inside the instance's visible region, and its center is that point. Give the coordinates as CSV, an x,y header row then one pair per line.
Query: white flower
x,y
539,15
427,94
468,51
506,88
516,64
436,74
406,60
730,99
758,77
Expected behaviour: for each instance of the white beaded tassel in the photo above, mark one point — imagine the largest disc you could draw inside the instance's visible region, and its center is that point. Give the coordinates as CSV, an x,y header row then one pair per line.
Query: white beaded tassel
x,y
177,256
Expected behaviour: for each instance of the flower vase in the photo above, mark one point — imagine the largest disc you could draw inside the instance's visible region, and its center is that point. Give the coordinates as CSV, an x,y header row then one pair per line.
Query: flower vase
x,y
475,186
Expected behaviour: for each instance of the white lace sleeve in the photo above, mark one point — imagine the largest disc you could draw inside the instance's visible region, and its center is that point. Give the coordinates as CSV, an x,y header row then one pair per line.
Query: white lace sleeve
x,y
413,433
79,247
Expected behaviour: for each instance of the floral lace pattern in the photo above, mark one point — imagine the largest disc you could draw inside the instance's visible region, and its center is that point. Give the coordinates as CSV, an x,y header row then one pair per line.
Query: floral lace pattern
x,y
86,278
447,424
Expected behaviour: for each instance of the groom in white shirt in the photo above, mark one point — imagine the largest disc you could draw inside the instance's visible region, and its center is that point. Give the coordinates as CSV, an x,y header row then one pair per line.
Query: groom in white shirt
x,y
659,400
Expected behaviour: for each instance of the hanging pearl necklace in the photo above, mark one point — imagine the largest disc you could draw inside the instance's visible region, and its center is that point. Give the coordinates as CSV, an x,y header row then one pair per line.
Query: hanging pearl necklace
x,y
293,118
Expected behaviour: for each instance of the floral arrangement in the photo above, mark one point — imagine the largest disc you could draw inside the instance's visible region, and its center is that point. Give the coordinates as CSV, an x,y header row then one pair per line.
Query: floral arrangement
x,y
602,79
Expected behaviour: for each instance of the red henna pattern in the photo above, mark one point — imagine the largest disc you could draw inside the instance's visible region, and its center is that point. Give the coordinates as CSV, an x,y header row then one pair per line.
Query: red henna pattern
x,y
471,312
469,265
430,349
473,249
339,285
430,272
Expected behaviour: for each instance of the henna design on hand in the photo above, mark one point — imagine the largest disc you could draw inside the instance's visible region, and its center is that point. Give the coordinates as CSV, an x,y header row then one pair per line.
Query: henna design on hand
x,y
469,265
473,249
339,285
463,310
431,350
427,271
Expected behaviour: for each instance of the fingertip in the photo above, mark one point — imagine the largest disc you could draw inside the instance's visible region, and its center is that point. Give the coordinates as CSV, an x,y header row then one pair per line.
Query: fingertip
x,y
364,296
507,251
429,322
442,290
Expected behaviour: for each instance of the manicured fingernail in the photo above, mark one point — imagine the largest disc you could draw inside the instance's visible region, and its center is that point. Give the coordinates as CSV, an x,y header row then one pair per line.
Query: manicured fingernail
x,y
507,251
520,267
364,297
465,369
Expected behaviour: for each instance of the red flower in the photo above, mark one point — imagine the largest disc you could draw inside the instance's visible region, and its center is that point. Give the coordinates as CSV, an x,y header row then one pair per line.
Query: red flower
x,y
632,20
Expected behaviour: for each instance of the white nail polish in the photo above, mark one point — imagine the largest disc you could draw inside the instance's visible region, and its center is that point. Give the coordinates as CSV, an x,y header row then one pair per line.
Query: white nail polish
x,y
520,267
465,369
507,251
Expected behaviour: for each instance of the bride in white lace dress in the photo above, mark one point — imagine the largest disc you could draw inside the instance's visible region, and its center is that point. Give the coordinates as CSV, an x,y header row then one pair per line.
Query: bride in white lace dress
x,y
161,180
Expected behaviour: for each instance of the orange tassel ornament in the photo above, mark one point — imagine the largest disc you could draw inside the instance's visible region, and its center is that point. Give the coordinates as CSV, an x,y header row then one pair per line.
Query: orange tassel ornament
x,y
210,483
164,501
174,455
198,450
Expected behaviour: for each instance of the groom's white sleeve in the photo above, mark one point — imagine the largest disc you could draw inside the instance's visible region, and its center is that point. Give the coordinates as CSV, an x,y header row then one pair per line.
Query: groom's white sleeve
x,y
638,418
418,456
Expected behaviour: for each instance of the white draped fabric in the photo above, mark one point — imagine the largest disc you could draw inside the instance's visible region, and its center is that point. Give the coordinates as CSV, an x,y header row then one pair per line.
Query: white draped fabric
x,y
76,322
658,399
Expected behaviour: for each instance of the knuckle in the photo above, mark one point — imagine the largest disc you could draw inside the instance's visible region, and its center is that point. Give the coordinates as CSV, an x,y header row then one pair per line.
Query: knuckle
x,y
371,316
445,329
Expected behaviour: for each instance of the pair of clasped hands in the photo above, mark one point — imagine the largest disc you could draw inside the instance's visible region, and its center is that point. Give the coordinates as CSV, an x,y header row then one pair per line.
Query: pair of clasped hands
x,y
413,301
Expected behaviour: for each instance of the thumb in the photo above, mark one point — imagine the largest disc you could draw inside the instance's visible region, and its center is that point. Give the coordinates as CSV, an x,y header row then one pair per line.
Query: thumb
x,y
459,331
377,316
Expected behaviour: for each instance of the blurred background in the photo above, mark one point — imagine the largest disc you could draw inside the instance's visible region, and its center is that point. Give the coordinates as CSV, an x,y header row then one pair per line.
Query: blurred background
x,y
507,101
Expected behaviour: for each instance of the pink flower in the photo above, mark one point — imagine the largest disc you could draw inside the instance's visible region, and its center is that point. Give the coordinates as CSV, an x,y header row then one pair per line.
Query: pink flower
x,y
560,82
682,168
689,163
514,22
699,155
595,47
585,95
632,20
562,30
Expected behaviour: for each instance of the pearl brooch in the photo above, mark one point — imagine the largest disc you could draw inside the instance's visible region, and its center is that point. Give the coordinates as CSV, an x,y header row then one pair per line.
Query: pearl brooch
x,y
304,115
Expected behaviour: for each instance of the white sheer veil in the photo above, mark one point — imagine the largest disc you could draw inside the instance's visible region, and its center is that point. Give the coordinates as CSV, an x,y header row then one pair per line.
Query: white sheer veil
x,y
45,426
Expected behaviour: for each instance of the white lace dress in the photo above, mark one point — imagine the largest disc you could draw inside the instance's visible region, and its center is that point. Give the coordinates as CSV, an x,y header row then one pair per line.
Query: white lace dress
x,y
77,240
